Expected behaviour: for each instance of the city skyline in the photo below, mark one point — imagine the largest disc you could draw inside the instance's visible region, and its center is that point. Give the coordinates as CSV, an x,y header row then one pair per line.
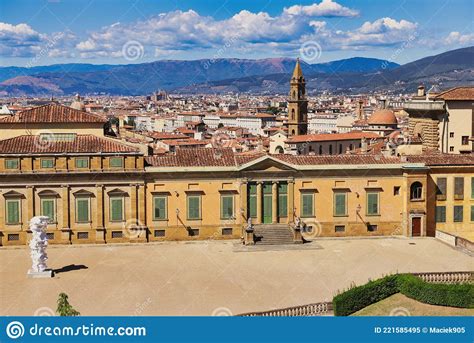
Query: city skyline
x,y
62,32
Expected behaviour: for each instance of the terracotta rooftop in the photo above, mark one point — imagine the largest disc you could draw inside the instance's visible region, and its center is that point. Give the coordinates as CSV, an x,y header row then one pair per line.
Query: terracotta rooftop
x,y
457,93
53,113
383,117
199,157
32,144
440,159
326,137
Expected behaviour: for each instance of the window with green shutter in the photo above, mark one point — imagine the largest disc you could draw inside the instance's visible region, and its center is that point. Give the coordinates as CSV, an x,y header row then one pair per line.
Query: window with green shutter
x,y
340,199
458,214
252,200
12,163
116,209
116,162
82,162
472,187
472,213
373,203
47,209
458,188
13,211
82,210
159,207
440,214
47,163
282,200
307,204
441,188
227,206
194,207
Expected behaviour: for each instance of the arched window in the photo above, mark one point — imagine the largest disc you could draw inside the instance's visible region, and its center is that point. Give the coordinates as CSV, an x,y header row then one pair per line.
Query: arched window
x,y
416,191
330,150
320,149
294,94
292,114
279,150
340,148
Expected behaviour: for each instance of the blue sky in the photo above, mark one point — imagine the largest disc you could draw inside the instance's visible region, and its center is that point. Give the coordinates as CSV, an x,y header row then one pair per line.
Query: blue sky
x,y
43,32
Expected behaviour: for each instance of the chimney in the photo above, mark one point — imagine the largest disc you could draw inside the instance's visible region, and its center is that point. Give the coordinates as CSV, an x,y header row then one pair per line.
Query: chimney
x,y
421,90
363,146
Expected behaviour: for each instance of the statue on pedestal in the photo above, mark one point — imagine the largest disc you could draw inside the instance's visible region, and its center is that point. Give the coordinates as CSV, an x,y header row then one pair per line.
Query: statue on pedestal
x,y
38,244
249,227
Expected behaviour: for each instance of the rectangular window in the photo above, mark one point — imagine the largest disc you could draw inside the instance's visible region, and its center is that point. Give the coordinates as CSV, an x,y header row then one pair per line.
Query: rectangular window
x,y
340,204
253,200
472,187
372,228
441,188
82,210
227,206
50,236
282,200
117,234
227,231
472,213
159,233
82,162
12,163
116,162
13,237
47,163
13,211
307,204
458,188
194,207
83,235
340,228
159,207
193,232
458,214
48,209
116,209
373,203
465,140
396,190
440,214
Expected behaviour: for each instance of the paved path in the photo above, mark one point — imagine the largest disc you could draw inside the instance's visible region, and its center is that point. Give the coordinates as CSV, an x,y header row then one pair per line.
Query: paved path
x,y
202,278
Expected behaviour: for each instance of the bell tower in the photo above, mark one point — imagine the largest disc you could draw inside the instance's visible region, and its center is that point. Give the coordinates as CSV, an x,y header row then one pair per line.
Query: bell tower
x,y
297,104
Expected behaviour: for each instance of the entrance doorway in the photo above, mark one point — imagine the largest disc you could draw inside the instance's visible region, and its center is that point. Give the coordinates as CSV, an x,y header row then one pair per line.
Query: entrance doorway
x,y
416,226
267,203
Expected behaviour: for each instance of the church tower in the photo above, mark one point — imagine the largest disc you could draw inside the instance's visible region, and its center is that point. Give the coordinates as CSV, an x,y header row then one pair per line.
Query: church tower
x,y
297,103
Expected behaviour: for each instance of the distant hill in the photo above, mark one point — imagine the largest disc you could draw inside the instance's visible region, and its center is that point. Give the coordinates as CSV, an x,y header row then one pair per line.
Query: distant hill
x,y
144,78
268,76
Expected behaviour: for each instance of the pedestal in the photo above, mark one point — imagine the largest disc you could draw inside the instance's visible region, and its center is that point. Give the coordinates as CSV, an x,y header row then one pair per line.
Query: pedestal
x,y
297,237
48,273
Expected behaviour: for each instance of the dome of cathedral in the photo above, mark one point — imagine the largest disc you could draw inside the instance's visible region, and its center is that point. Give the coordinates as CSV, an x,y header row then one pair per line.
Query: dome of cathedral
x,y
383,117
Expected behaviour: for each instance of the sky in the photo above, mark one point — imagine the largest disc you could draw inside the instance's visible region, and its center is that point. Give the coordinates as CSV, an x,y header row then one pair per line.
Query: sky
x,y
44,32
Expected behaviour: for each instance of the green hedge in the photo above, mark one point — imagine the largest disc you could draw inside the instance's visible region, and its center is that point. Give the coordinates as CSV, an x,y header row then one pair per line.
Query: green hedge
x,y
355,299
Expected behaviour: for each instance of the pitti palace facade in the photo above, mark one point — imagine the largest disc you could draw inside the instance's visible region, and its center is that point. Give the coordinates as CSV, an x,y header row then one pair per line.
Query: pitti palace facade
x,y
56,161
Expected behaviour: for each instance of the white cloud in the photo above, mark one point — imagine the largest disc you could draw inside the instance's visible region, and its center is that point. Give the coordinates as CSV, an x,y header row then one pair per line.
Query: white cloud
x,y
327,8
457,38
19,40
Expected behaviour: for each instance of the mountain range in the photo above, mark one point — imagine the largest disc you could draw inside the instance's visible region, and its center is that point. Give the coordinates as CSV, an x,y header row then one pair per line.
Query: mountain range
x,y
268,75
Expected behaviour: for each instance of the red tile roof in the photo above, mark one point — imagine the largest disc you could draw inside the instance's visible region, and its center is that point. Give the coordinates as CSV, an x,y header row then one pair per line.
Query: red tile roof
x,y
440,159
31,144
457,93
327,137
198,157
53,113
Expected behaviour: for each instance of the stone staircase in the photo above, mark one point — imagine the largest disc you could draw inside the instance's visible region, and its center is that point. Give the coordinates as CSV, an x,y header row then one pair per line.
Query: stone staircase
x,y
273,234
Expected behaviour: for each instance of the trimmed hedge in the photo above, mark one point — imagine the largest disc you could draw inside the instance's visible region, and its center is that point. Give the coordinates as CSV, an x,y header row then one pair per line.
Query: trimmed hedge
x,y
357,298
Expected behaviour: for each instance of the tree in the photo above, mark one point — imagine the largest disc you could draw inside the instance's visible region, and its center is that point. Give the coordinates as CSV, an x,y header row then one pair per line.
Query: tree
x,y
64,308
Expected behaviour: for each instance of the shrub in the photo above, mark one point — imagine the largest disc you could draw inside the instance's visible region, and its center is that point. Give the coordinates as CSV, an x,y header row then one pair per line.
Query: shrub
x,y
64,308
355,299
359,297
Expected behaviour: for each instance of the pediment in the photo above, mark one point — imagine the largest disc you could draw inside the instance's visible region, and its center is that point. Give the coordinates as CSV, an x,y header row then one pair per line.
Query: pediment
x,y
267,163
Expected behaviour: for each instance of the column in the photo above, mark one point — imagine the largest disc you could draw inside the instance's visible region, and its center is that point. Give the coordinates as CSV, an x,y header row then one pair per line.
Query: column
x,y
275,202
100,206
141,205
30,207
65,206
133,205
291,200
259,202
243,201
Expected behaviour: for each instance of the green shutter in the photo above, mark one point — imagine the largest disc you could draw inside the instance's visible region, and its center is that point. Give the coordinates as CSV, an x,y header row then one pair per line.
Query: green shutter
x,y
82,162
458,214
472,213
253,205
340,204
13,211
440,214
307,204
159,211
227,206
11,164
282,205
472,187
193,207
82,214
116,162
47,163
372,203
116,209
47,209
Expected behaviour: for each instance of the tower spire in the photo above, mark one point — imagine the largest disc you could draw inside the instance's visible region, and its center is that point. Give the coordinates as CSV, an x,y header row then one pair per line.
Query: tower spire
x,y
297,72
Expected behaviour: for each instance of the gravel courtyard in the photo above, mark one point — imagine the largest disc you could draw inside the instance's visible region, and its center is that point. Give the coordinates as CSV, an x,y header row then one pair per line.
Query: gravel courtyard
x,y
209,278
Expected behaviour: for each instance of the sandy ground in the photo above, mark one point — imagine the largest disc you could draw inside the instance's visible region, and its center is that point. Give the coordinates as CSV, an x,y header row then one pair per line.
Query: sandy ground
x,y
209,278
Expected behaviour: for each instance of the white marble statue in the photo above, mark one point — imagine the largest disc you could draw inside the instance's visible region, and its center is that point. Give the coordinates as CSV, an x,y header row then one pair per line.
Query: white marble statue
x,y
38,244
